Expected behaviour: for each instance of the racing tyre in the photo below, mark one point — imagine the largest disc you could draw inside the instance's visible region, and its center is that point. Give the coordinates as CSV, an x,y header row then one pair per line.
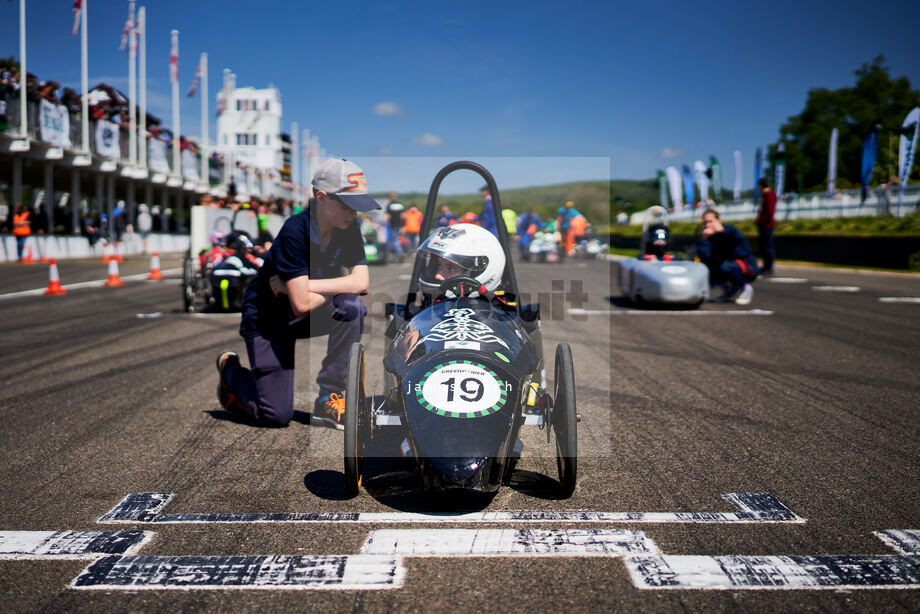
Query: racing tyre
x,y
565,419
188,283
357,420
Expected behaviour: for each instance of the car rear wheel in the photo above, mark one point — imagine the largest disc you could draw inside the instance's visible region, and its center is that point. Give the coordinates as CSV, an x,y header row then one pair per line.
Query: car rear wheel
x,y
565,420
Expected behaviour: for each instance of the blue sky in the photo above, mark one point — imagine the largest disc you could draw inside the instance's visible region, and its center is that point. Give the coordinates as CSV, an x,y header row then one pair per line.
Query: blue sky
x,y
554,89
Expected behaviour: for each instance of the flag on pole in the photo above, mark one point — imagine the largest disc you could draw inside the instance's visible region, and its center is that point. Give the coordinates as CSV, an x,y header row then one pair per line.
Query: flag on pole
x,y
195,80
77,5
832,162
129,25
174,61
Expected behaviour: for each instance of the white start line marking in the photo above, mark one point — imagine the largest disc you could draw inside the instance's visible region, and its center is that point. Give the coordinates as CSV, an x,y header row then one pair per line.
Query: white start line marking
x,y
340,572
905,541
669,312
69,544
837,288
786,280
899,299
752,507
508,542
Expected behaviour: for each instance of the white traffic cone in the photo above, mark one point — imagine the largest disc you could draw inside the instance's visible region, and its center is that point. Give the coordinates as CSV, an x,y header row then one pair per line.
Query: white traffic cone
x,y
155,273
113,281
54,281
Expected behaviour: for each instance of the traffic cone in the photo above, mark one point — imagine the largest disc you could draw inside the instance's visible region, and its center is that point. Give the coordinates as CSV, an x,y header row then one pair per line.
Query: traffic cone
x,y
118,256
114,281
28,259
43,251
107,253
155,273
54,282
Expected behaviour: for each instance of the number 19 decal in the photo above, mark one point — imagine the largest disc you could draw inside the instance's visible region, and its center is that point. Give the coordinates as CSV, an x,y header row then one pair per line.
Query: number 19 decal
x,y
461,389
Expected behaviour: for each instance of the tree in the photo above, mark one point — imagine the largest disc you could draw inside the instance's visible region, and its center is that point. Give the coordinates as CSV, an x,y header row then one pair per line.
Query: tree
x,y
876,98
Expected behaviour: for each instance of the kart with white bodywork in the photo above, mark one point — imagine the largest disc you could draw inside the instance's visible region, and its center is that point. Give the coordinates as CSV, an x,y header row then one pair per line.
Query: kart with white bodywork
x,y
463,374
658,277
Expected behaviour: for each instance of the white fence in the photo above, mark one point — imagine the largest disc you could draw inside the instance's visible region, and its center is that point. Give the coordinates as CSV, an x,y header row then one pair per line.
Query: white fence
x,y
63,247
845,203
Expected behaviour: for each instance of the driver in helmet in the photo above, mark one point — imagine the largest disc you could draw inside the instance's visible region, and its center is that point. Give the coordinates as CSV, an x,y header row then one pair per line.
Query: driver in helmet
x,y
461,250
657,242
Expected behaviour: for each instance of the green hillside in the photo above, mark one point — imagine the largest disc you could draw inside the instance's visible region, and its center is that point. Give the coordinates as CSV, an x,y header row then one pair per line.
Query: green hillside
x,y
597,200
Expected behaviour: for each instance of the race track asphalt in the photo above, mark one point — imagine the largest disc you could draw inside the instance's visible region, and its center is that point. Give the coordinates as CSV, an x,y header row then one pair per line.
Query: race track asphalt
x,y
810,394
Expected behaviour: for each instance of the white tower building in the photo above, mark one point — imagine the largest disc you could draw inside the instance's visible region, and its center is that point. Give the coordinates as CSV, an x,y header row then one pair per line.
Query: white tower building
x,y
249,126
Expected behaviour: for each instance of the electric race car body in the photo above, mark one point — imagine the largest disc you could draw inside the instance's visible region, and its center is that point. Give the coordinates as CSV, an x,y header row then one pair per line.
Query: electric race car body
x,y
463,374
661,277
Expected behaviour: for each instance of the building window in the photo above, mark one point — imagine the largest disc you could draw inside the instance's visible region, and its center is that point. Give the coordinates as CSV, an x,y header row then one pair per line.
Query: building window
x,y
268,139
267,105
239,105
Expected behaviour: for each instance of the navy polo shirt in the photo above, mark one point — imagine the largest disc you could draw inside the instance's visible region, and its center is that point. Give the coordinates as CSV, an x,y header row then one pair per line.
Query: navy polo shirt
x,y
295,252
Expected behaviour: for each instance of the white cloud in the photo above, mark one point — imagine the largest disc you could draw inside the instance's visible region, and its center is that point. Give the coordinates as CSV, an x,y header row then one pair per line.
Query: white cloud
x,y
388,108
671,152
428,139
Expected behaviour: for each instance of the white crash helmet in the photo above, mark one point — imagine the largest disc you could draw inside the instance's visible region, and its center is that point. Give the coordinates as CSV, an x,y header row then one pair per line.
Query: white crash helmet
x,y
472,248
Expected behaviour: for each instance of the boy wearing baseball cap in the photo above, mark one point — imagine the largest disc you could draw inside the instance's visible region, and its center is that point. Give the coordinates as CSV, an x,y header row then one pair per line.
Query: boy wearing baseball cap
x,y
307,287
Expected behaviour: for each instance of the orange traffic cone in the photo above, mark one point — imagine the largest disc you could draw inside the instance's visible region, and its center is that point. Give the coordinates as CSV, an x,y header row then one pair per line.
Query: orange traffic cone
x,y
107,253
28,259
155,273
118,256
114,280
43,251
54,282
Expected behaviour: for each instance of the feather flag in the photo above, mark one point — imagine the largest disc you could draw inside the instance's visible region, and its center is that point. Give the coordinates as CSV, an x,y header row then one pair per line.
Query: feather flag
x,y
832,162
674,185
736,190
663,189
702,181
779,163
907,147
129,25
758,161
195,81
870,150
715,173
688,185
77,7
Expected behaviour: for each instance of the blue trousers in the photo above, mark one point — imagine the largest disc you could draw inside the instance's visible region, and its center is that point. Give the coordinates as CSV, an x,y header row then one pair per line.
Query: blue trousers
x,y
266,389
731,273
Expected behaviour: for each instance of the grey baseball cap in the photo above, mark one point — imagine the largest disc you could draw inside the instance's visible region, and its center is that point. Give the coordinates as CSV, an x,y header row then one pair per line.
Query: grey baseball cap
x,y
346,180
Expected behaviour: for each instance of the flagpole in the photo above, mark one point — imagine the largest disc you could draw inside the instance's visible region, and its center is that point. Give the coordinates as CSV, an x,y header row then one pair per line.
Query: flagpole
x,y
84,79
132,91
305,173
175,108
23,111
203,67
142,128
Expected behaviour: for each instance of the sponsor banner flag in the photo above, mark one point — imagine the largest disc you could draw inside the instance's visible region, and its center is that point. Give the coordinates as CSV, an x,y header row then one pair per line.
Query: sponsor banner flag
x,y
870,150
715,173
779,164
129,25
107,139
702,181
832,162
77,6
157,158
907,147
190,165
195,80
758,162
54,124
736,190
675,187
688,184
663,189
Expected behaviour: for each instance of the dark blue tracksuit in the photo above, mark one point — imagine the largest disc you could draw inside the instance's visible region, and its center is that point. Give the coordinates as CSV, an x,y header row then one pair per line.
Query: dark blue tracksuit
x,y
729,257
266,389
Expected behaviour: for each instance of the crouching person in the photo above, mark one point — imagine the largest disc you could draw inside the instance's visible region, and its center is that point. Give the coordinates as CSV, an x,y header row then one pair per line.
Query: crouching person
x,y
729,257
308,286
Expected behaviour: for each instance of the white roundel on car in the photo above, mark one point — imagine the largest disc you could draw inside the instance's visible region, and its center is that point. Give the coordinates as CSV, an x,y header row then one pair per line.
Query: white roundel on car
x,y
461,389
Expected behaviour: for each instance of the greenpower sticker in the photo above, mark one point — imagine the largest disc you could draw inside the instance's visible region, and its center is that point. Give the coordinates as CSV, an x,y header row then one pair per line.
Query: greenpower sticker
x,y
461,389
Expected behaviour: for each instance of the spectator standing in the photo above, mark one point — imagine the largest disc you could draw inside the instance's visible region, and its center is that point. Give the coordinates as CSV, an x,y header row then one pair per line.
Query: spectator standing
x,y
487,218
509,216
766,222
528,225
445,218
564,217
412,225
729,258
144,223
395,211
300,292
22,228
